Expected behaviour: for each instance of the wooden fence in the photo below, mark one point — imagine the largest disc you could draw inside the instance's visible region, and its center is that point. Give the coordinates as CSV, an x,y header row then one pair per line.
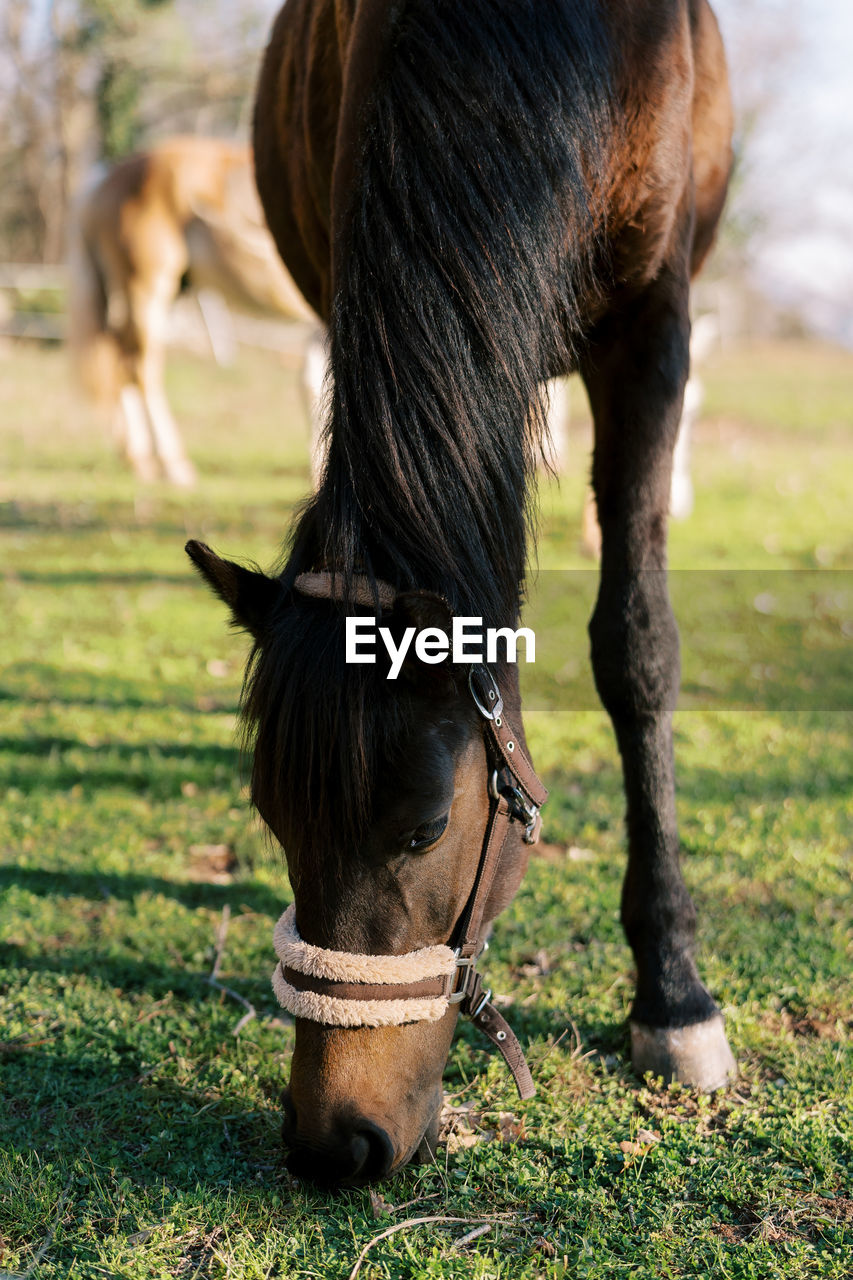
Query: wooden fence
x,y
201,323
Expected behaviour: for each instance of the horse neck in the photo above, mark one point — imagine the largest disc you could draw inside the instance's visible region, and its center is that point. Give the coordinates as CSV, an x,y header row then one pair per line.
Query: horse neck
x,y
454,294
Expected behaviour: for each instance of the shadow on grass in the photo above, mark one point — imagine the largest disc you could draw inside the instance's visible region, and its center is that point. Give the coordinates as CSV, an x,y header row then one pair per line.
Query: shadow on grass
x,y
807,780
90,1111
127,973
42,684
100,885
775,780
88,577
39,764
84,517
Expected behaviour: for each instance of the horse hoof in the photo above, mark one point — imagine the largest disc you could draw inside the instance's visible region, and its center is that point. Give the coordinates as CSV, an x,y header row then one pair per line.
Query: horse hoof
x,y
182,473
698,1055
146,470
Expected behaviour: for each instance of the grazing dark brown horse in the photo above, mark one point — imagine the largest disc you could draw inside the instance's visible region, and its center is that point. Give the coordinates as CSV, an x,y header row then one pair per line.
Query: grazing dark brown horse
x,y
477,196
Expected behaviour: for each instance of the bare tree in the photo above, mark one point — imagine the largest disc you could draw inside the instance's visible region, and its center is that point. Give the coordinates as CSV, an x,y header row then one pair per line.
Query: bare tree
x,y
83,81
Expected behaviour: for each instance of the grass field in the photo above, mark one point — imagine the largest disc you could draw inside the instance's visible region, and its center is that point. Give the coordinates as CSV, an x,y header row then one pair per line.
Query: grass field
x,y
139,1136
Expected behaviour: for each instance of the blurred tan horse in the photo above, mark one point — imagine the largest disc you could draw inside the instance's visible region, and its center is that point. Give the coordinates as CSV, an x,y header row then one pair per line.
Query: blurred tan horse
x,y
184,210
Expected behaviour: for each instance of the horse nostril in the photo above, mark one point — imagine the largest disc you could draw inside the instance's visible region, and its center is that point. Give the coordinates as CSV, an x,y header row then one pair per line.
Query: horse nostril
x,y
365,1155
373,1151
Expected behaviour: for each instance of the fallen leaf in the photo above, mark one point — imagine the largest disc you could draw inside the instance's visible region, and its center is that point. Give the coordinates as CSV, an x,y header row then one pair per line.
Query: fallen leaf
x,y
457,1130
140,1237
379,1206
646,1139
510,1128
463,1137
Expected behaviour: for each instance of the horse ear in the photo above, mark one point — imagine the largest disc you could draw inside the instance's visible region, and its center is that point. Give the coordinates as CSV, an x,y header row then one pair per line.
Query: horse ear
x,y
250,595
422,609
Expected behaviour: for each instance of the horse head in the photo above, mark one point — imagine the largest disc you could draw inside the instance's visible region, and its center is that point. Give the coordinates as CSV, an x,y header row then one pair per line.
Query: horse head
x,y
384,795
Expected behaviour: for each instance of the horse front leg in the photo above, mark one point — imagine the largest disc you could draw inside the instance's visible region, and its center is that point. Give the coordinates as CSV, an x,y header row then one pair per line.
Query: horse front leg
x,y
177,466
635,369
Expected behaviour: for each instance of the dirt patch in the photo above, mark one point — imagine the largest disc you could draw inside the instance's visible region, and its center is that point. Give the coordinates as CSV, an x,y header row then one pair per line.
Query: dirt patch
x,y
820,1024
202,1258
805,1218
561,853
211,863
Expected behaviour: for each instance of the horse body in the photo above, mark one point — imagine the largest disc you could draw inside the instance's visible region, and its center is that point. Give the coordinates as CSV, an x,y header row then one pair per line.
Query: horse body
x,y
186,208
475,198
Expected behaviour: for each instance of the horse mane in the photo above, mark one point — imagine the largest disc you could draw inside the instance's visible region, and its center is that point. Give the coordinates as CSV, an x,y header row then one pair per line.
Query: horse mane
x,y
465,251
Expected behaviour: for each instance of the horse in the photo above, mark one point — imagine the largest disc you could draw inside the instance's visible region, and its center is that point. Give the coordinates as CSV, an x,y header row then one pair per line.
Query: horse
x,y
183,211
476,198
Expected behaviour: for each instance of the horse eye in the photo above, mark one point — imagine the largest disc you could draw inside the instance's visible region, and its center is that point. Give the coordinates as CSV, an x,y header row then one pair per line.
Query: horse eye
x,y
429,833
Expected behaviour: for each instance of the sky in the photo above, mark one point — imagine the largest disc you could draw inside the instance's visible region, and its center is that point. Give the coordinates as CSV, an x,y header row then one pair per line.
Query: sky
x,y
794,56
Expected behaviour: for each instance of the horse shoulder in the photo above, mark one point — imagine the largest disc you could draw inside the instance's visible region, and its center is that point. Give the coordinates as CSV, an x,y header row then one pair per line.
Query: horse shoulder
x,y
674,149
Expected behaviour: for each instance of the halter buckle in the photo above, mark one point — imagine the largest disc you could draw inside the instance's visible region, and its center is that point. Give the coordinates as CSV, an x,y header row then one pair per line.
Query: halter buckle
x,y
481,1003
459,990
520,809
491,704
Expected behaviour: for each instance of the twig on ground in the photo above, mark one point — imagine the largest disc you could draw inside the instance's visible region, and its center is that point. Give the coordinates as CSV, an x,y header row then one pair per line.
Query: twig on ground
x,y
419,1222
155,1008
213,980
12,1046
472,1235
407,1204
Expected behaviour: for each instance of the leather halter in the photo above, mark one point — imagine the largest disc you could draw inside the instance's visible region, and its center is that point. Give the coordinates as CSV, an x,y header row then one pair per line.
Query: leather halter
x,y
516,794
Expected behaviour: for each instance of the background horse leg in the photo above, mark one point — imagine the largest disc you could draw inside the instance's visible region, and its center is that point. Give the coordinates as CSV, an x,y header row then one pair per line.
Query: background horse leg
x,y
559,417
635,371
167,438
170,446
315,371
135,431
681,488
705,333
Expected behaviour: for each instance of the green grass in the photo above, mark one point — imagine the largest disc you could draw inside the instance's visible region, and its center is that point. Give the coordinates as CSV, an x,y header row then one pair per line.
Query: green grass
x,y
140,1138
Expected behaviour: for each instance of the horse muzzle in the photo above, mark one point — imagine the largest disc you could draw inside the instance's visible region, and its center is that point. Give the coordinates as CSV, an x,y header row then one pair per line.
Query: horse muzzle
x,y
351,1150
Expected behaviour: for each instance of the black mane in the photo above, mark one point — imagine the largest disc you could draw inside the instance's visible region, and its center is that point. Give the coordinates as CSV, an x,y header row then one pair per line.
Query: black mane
x,y
466,247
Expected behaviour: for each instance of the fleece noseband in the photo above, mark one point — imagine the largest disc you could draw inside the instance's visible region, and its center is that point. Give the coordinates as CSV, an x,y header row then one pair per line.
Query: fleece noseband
x,y
344,989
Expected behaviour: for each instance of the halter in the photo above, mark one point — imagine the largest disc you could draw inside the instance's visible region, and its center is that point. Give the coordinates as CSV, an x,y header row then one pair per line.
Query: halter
x,y
345,989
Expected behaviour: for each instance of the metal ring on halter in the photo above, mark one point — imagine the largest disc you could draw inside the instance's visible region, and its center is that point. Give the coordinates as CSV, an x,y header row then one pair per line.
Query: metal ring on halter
x,y
520,809
492,693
